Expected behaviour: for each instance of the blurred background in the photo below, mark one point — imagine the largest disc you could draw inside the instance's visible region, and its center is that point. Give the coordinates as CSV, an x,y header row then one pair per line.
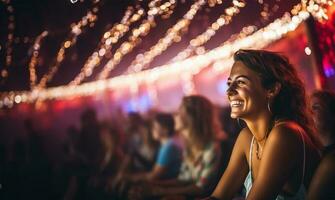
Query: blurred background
x,y
115,57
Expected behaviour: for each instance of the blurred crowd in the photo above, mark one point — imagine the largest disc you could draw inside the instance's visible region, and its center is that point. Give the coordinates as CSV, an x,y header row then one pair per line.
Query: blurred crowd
x,y
119,158
155,155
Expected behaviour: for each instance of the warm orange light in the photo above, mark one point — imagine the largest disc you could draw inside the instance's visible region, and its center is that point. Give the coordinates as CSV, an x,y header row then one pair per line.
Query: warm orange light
x,y
67,44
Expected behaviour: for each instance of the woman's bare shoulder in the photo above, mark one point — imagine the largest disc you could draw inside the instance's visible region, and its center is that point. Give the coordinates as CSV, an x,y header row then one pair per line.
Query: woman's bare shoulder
x,y
287,125
285,142
287,131
292,131
245,135
244,139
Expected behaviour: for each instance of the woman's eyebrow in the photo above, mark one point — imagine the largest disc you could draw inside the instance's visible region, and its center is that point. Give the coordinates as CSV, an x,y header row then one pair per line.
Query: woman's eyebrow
x,y
240,76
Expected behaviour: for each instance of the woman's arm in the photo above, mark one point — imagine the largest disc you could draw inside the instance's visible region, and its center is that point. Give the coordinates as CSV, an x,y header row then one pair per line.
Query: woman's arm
x,y
144,161
156,173
167,183
282,158
190,189
162,188
323,182
237,169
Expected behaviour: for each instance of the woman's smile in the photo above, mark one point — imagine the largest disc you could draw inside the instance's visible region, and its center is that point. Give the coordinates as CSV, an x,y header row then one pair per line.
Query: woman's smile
x,y
244,90
236,103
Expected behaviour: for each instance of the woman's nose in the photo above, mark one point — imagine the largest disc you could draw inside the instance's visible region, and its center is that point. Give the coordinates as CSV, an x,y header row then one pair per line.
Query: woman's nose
x,y
231,90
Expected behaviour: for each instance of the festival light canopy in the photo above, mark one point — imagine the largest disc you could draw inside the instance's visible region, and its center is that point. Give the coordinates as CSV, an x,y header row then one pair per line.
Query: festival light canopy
x,y
182,66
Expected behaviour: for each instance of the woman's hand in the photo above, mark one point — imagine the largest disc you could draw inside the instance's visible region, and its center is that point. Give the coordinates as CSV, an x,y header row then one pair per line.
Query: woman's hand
x,y
144,191
139,192
210,198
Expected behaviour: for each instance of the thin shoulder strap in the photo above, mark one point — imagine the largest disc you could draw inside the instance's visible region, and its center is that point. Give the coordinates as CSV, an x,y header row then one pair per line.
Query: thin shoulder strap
x,y
304,150
250,151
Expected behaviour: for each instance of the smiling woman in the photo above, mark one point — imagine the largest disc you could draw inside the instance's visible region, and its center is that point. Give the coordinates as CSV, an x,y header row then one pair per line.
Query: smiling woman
x,y
275,156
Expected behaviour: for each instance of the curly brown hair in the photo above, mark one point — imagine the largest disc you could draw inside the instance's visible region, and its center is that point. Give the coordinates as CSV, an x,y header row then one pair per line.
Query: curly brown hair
x,y
291,102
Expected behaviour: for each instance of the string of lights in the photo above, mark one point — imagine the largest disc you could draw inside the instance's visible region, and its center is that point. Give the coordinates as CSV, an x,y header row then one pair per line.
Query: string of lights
x,y
213,3
193,65
24,40
109,38
10,38
76,30
204,37
200,40
34,59
260,38
318,8
134,39
172,35
246,31
188,79
265,15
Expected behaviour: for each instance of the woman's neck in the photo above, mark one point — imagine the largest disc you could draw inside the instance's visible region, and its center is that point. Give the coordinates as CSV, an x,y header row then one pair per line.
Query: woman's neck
x,y
164,140
260,126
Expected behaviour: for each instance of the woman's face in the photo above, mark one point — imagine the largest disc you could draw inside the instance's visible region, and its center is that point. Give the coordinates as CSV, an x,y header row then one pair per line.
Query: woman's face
x,y
180,119
320,114
246,95
157,131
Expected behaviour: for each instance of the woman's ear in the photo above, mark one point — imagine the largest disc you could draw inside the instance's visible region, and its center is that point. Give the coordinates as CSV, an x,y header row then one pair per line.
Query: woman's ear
x,y
272,92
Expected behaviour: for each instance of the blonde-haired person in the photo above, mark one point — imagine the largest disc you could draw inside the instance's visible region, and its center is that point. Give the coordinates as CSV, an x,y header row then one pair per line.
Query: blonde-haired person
x,y
275,155
195,121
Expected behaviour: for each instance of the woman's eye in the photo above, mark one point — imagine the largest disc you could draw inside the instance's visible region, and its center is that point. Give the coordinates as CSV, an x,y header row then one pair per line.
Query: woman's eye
x,y
240,82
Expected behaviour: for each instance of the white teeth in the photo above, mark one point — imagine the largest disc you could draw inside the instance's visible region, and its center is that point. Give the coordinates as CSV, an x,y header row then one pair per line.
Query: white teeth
x,y
236,103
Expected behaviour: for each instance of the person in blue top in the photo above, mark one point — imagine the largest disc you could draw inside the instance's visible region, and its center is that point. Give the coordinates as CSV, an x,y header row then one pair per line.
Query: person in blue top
x,y
170,152
275,155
